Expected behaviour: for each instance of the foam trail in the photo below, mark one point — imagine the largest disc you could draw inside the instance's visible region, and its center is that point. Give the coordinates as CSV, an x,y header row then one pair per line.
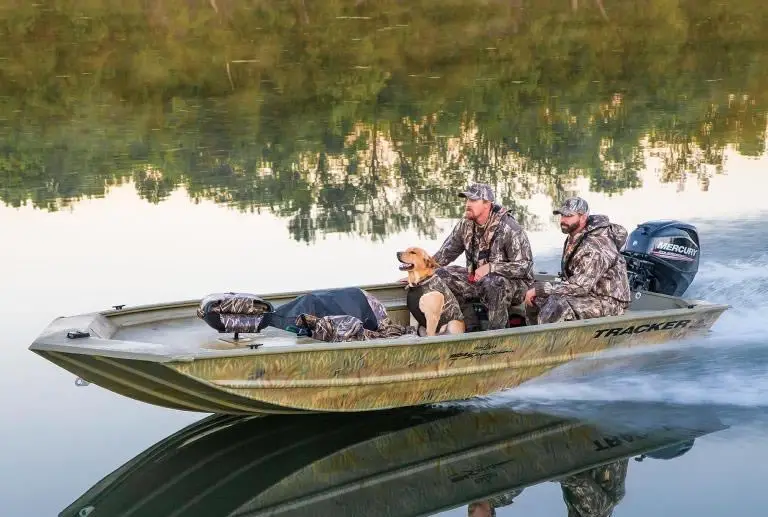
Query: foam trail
x,y
726,368
744,286
734,376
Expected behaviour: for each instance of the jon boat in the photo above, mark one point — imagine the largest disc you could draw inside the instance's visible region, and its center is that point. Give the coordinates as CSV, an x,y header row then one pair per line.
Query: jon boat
x,y
407,461
164,354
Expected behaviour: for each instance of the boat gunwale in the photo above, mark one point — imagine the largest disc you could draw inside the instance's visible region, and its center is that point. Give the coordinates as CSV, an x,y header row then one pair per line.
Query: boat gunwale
x,y
480,335
56,340
104,346
195,302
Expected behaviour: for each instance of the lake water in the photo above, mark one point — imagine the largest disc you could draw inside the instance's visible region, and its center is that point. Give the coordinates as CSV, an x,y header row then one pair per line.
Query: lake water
x,y
160,153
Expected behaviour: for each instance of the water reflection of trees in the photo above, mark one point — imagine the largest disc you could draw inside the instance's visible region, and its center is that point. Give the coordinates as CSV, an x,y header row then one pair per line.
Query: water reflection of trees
x,y
365,117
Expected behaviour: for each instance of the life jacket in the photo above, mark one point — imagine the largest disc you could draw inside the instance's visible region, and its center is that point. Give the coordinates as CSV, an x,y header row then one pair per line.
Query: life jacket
x,y
450,310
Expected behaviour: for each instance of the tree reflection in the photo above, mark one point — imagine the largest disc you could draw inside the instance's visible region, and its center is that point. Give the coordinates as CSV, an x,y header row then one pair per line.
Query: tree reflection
x,y
366,117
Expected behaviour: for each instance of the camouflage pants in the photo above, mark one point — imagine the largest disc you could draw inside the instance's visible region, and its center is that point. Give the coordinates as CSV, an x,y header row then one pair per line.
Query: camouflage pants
x,y
595,492
555,308
496,292
349,328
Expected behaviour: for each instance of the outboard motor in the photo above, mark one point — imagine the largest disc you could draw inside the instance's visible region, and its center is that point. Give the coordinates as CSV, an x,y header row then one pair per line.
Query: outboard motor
x,y
662,257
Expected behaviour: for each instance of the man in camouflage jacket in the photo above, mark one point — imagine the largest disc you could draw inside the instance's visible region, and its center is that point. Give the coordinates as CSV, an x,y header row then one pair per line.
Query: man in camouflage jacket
x,y
499,260
594,273
595,492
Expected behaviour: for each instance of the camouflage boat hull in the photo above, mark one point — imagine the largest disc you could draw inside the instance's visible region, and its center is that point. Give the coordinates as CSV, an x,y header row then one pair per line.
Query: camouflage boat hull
x,y
165,355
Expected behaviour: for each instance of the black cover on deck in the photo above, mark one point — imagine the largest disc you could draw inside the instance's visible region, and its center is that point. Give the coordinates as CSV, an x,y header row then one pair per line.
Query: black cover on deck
x,y
348,301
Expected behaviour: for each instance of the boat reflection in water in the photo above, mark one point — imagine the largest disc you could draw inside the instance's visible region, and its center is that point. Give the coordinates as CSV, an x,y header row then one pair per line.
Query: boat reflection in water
x,y
412,461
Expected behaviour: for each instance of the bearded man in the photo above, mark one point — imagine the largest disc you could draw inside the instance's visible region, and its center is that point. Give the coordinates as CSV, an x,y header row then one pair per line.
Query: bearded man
x,y
594,272
499,267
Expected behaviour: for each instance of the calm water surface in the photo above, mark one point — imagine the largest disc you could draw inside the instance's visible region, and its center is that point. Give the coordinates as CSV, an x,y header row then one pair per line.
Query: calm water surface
x,y
160,153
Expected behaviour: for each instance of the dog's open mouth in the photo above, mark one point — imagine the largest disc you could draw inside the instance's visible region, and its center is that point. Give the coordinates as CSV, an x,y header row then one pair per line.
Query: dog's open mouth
x,y
404,266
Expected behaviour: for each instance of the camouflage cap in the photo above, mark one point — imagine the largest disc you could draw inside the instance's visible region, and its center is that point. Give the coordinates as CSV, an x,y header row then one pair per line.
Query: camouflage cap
x,y
571,206
477,191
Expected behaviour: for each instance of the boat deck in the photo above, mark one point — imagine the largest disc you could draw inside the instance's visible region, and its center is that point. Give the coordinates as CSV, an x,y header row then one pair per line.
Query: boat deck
x,y
173,331
179,331
192,334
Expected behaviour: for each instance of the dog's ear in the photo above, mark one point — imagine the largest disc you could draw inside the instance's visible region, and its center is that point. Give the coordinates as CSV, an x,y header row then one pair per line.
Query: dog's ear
x,y
431,263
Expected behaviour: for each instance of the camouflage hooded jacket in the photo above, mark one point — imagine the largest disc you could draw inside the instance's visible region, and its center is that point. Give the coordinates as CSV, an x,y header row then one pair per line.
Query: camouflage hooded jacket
x,y
595,492
502,243
592,264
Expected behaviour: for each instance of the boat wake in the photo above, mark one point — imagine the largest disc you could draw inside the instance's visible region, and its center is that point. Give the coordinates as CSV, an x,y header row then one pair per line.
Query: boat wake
x,y
725,369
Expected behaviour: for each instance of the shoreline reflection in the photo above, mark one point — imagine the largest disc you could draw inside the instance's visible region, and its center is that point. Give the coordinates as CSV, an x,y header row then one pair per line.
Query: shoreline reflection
x,y
365,117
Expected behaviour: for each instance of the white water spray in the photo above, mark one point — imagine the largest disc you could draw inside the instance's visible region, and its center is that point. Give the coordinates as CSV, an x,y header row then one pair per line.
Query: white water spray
x,y
729,367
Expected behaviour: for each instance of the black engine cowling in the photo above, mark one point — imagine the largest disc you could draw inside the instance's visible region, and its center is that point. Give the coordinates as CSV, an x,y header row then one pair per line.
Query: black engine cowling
x,y
662,257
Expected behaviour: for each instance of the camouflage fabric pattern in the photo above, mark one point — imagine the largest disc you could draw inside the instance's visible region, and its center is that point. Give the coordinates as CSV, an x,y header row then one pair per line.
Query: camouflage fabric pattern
x,y
594,277
572,206
592,264
494,291
376,306
595,492
243,323
501,242
553,309
238,312
349,328
451,309
233,303
505,499
475,508
477,191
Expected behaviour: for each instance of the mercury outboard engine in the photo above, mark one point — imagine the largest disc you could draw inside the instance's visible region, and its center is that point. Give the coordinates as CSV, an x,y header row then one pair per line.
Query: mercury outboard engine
x,y
662,257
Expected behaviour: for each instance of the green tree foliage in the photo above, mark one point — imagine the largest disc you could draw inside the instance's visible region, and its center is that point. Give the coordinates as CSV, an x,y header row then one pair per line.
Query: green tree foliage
x,y
365,117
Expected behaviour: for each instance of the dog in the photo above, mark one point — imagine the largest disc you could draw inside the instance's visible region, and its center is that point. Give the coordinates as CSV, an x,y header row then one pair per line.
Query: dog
x,y
430,302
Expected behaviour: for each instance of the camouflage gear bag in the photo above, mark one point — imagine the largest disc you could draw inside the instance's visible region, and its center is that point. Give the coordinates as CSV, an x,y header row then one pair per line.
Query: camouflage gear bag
x,y
347,314
348,328
248,313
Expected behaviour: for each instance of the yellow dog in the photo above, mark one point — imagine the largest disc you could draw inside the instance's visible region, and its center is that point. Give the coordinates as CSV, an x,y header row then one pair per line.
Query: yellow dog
x,y
431,303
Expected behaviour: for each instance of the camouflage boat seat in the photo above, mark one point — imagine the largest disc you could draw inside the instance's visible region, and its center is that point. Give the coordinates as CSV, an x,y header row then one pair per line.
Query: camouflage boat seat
x,y
234,312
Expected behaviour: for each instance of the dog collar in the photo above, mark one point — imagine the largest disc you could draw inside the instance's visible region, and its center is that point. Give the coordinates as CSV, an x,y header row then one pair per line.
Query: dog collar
x,y
422,281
